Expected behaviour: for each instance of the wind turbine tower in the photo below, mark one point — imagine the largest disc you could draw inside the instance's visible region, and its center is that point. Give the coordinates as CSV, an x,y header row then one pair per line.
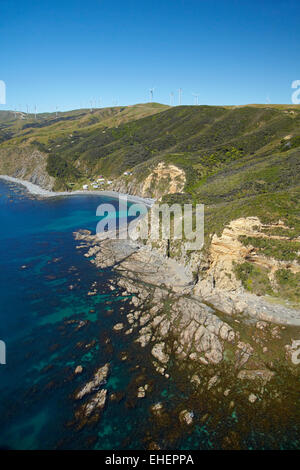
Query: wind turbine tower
x,y
196,96
179,96
151,94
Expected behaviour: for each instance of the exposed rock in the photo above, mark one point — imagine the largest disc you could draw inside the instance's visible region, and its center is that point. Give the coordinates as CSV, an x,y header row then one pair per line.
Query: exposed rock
x,y
169,177
141,393
261,325
252,398
186,417
158,352
157,408
78,370
98,380
97,402
213,381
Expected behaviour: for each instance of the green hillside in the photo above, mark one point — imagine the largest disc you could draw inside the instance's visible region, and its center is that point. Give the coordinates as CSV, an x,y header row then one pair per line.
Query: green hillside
x,y
240,161
202,140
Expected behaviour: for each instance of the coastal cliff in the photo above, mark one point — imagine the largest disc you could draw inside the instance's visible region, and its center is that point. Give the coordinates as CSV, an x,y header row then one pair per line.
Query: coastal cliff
x,y
26,163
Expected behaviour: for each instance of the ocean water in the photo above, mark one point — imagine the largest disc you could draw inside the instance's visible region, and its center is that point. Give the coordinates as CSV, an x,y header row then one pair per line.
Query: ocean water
x,y
39,314
44,285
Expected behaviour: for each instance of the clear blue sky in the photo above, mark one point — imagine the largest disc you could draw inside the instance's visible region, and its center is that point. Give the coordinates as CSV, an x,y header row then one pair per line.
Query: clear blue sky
x,y
67,53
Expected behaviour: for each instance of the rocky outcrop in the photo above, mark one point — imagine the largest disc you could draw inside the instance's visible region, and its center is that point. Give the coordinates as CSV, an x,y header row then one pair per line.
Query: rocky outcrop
x,y
227,250
98,380
219,285
218,353
95,397
169,319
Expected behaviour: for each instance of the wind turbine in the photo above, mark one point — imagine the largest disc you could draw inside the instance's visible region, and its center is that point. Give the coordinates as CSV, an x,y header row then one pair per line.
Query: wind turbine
x,y
35,112
196,96
151,94
179,96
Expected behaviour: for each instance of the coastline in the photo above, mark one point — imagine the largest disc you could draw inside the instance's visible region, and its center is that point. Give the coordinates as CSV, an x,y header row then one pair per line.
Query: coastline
x,y
38,191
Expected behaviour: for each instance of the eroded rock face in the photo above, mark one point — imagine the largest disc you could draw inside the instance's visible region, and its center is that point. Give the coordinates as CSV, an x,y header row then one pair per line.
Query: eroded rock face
x,y
164,179
219,285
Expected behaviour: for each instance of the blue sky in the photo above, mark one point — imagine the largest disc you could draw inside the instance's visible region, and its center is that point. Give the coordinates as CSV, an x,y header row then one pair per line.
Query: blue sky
x,y
67,53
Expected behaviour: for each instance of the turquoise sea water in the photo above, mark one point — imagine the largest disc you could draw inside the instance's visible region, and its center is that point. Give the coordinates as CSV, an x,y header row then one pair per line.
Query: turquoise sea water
x,y
39,317
38,264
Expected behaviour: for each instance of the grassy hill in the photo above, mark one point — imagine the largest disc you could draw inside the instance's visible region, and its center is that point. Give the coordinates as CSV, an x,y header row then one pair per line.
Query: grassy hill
x,y
202,140
239,160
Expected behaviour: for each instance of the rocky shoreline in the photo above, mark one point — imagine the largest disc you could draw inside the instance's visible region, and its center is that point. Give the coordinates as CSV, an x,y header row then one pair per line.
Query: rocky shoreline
x,y
173,322
226,362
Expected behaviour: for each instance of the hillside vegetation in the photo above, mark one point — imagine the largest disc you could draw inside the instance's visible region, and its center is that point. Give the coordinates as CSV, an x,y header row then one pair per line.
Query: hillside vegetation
x,y
241,161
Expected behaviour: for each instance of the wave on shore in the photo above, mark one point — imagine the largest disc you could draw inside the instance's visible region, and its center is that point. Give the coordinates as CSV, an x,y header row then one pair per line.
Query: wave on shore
x,y
38,191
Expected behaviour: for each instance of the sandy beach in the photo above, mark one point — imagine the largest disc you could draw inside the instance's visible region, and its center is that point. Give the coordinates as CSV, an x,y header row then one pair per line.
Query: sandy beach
x,y
38,191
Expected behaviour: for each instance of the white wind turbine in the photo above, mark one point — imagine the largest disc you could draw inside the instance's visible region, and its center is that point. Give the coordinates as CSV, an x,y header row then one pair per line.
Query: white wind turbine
x,y
196,97
151,90
179,96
